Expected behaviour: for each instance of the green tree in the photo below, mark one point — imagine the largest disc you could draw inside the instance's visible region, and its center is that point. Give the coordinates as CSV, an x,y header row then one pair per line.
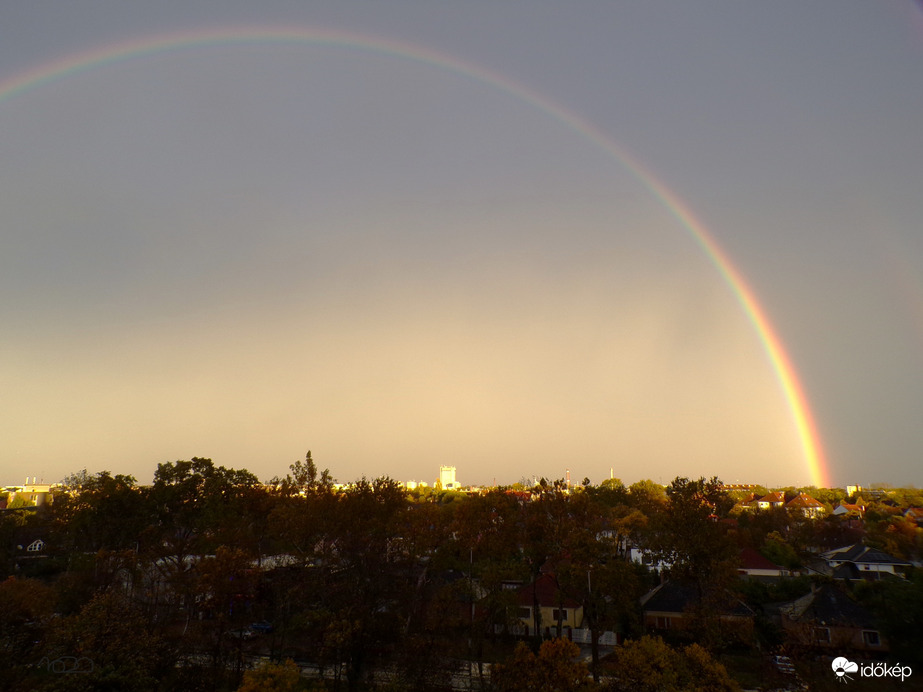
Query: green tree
x,y
305,478
898,605
647,497
196,507
688,537
100,512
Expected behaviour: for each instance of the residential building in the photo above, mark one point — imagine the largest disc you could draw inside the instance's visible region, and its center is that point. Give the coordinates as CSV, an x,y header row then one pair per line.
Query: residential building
x,y
771,501
807,506
829,620
755,566
674,606
861,562
846,509
552,605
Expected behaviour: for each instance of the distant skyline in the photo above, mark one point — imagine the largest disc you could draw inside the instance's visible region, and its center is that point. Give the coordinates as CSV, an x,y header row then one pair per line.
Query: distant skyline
x,y
512,239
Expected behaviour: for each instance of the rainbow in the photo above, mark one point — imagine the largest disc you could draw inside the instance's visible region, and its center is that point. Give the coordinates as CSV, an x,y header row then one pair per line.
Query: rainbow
x,y
137,48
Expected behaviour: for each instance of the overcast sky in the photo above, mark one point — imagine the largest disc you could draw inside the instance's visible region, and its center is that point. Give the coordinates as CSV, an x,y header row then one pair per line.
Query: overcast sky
x,y
244,249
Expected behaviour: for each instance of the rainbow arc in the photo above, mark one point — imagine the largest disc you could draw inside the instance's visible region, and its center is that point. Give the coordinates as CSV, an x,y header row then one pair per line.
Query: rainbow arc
x,y
781,364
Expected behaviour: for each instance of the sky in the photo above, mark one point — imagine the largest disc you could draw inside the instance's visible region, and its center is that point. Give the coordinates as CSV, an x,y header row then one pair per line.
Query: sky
x,y
647,239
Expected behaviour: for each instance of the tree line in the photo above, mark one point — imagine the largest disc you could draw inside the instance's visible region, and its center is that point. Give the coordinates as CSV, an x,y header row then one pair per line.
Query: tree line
x,y
208,579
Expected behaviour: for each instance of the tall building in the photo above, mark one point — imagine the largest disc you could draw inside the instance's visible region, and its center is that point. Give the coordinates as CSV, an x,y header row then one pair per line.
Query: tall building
x,y
447,478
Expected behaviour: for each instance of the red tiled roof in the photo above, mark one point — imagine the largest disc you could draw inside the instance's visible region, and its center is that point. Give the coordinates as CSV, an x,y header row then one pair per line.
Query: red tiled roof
x,y
852,508
546,589
773,497
805,501
750,559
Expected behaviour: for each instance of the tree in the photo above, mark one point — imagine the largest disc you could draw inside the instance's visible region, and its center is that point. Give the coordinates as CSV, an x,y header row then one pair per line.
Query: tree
x,y
360,577
777,549
272,677
101,512
196,507
592,571
898,604
26,606
304,478
688,537
650,665
115,639
556,668
647,496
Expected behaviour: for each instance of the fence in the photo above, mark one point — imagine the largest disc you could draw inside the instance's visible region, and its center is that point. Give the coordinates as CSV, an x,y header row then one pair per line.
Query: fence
x,y
578,636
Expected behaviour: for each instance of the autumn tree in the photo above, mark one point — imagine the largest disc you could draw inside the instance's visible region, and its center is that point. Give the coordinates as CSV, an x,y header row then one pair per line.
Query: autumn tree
x,y
272,677
115,638
650,665
26,606
556,668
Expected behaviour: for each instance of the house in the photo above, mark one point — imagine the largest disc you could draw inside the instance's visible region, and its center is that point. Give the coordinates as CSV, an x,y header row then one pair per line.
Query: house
x,y
754,565
674,606
846,509
31,494
770,501
553,606
861,562
829,620
806,506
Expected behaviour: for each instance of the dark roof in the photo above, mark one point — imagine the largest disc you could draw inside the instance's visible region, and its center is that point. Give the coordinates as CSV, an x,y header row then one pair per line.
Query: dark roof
x,y
830,605
673,597
861,554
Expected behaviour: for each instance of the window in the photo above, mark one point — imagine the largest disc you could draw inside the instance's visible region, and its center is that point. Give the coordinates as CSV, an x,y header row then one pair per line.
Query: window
x,y
36,546
525,613
559,614
871,638
822,635
663,622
